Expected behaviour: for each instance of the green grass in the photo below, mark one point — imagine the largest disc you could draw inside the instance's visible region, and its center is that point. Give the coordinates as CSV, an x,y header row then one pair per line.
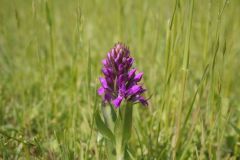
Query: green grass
x,y
50,61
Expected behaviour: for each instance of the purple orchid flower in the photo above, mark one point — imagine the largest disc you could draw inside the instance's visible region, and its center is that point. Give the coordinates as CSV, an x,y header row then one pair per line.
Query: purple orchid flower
x,y
120,81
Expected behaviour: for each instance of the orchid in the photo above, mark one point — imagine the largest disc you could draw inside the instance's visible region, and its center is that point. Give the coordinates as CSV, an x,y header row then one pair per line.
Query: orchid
x,y
120,80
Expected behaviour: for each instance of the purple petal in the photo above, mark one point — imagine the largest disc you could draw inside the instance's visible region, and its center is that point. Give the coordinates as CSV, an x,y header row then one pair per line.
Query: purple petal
x,y
135,90
101,91
122,90
111,74
103,82
130,84
109,81
105,71
117,102
122,79
127,53
138,98
130,61
143,101
104,62
114,53
124,60
110,70
118,47
120,67
119,57
109,55
138,77
107,97
131,73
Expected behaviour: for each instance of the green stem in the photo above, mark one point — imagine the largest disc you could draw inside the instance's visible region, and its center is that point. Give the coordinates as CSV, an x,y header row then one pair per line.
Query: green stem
x,y
119,152
122,141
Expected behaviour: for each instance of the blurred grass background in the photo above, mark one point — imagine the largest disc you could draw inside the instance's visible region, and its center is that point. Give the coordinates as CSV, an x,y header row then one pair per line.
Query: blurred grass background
x,y
50,61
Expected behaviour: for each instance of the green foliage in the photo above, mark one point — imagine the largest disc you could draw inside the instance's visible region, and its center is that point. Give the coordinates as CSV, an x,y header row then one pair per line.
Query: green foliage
x,y
50,61
120,122
103,128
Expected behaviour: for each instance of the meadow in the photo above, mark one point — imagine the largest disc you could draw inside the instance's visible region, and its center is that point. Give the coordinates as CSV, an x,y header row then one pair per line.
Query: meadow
x,y
50,64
